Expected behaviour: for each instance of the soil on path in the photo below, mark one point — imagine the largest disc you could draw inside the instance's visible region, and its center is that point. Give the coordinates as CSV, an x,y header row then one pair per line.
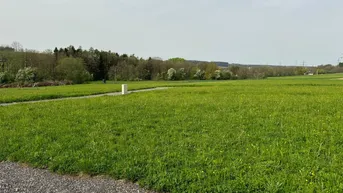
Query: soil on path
x,y
18,178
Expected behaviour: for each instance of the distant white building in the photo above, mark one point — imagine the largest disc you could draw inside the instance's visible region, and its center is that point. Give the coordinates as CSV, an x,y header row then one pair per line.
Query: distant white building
x,y
309,73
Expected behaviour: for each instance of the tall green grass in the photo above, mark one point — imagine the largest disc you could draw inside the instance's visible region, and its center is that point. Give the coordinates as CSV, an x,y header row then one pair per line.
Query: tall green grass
x,y
237,136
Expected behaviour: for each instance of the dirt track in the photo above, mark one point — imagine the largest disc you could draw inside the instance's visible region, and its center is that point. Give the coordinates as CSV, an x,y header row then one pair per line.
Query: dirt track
x,y
83,97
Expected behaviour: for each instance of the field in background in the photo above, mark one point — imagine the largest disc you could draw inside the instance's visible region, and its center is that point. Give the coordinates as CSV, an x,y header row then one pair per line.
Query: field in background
x,y
279,134
8,95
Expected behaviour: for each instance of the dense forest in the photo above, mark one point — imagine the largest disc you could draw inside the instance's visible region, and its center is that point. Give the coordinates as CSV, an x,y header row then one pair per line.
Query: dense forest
x,y
77,65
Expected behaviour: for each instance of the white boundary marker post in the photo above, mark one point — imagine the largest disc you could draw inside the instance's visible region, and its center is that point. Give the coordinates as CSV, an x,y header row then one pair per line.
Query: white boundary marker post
x,y
124,89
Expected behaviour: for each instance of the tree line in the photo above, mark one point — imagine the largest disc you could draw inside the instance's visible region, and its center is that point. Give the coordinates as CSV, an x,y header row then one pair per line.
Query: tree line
x,y
81,65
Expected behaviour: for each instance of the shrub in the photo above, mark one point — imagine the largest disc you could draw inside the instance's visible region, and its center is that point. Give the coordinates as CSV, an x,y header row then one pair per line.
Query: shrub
x,y
72,69
217,75
181,74
226,75
200,74
6,77
25,75
161,76
171,74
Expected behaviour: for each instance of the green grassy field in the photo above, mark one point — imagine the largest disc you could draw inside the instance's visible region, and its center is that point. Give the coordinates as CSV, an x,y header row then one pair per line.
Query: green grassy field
x,y
29,94
274,135
9,95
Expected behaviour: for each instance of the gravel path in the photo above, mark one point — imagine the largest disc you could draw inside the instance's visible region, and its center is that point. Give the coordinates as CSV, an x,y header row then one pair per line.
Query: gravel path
x,y
22,179
83,97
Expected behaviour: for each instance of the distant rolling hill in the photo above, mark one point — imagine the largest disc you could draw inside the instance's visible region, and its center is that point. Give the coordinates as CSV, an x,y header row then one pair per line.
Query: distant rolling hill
x,y
220,64
226,64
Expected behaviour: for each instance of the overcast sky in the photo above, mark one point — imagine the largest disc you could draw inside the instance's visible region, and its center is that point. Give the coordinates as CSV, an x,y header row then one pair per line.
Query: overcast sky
x,y
244,31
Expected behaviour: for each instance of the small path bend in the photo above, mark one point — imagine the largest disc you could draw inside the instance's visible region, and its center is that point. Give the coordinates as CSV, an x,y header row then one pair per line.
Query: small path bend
x,y
83,97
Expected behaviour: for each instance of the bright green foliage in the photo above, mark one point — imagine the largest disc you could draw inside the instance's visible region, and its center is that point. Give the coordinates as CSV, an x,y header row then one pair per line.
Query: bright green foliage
x,y
274,135
72,69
